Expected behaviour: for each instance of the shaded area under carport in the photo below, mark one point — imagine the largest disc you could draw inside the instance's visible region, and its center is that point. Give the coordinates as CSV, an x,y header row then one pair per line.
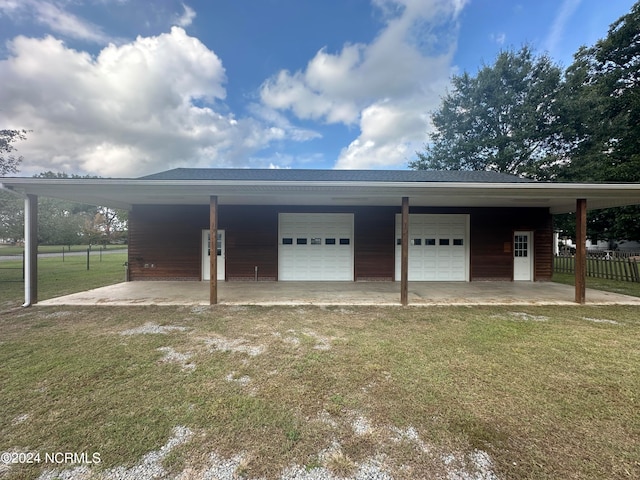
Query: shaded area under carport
x,y
338,293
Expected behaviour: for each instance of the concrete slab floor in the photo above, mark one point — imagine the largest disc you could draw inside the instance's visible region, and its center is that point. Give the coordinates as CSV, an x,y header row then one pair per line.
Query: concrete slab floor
x,y
338,293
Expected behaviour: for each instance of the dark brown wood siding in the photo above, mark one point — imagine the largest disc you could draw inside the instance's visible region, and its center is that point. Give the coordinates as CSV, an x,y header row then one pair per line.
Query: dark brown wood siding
x,y
251,241
165,241
374,243
543,248
492,241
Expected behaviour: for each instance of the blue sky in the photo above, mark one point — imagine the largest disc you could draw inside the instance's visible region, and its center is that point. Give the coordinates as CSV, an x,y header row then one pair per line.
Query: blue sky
x,y
124,88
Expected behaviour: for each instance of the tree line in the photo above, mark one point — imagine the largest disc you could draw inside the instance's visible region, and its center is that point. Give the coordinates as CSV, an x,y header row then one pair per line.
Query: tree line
x,y
526,116
59,222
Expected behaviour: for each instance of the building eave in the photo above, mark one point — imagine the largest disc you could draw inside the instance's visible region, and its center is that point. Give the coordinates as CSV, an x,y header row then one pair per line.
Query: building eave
x,y
125,193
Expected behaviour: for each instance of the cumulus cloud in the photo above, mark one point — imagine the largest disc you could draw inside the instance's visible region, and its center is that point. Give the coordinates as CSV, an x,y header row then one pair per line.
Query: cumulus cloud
x,y
151,104
385,87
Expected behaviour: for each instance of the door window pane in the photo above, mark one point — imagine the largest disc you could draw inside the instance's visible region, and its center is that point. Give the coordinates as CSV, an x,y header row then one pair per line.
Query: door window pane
x,y
521,246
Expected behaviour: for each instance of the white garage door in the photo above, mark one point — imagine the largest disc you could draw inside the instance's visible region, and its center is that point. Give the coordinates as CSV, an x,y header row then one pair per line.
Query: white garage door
x,y
315,246
438,247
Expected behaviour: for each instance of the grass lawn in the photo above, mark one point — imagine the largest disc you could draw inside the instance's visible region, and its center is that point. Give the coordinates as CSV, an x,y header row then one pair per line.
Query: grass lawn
x,y
266,392
56,277
615,286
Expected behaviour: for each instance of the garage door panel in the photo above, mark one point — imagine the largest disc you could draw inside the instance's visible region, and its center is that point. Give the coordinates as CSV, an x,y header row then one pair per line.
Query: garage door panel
x,y
438,247
321,256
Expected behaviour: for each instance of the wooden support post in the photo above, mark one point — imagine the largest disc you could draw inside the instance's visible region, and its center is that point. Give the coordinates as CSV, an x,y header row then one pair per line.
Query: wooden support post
x,y
31,250
213,249
581,250
404,257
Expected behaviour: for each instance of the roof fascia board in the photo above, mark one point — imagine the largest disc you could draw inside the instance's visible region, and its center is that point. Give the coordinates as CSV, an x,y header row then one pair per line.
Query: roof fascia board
x,y
19,181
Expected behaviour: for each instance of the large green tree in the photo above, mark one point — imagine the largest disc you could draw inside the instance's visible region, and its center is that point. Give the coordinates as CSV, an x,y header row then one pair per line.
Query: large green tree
x,y
9,163
11,222
504,118
600,99
67,223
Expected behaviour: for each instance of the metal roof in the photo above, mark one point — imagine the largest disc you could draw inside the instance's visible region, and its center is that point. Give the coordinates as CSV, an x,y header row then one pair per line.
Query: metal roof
x,y
310,175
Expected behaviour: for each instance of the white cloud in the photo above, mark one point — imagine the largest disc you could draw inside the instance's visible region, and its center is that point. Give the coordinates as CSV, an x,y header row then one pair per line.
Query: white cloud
x,y
390,133
556,33
498,38
56,18
187,17
144,106
386,86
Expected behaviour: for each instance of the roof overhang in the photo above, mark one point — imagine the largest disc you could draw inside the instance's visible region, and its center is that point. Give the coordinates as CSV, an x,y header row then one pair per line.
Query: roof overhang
x,y
124,193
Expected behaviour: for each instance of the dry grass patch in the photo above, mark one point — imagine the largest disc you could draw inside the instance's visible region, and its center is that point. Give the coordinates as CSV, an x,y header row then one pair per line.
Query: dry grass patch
x,y
287,392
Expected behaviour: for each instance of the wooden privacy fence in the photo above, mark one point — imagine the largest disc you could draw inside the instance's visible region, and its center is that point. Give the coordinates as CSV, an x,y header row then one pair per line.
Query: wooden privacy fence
x,y
623,269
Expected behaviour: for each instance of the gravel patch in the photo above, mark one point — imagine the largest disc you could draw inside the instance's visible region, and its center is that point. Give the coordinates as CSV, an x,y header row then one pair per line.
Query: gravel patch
x,y
217,469
238,345
290,338
361,426
411,435
323,343
601,320
171,356
242,381
371,469
475,466
20,419
60,314
199,309
528,317
326,418
77,473
151,328
148,468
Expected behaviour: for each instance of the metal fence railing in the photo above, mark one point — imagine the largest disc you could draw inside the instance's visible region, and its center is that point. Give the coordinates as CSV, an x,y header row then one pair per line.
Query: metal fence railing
x,y
12,268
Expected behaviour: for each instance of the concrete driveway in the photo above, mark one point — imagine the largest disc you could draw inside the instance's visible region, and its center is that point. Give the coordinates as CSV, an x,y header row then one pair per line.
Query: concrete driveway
x,y
338,293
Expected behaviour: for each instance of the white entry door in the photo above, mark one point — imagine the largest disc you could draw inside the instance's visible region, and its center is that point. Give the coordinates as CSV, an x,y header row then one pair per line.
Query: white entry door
x,y
206,265
523,256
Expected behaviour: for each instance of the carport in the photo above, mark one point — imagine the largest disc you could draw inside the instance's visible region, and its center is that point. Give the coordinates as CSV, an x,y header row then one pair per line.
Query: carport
x,y
247,203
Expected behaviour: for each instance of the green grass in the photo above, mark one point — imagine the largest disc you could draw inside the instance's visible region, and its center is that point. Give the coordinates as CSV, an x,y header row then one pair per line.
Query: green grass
x,y
547,392
56,277
615,286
